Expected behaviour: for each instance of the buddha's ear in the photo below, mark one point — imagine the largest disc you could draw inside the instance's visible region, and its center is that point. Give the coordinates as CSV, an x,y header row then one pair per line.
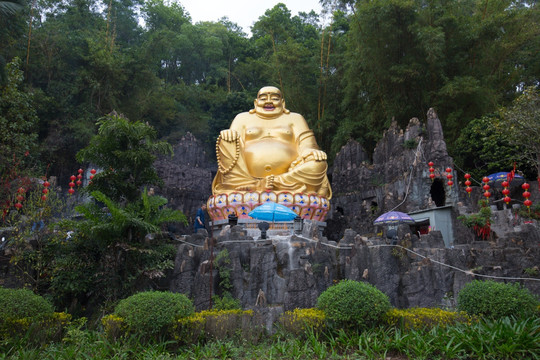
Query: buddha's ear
x,y
285,110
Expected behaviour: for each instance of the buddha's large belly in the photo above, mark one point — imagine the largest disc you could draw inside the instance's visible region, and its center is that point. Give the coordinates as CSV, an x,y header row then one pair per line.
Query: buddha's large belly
x,y
269,157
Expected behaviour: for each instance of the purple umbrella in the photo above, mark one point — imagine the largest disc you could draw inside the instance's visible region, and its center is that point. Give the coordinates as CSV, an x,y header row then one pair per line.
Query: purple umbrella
x,y
393,218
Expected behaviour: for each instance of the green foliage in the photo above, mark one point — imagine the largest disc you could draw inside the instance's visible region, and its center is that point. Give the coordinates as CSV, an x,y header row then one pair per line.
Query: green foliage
x,y
479,222
483,149
226,302
496,300
18,138
353,304
110,254
223,265
153,313
22,303
33,246
522,124
126,152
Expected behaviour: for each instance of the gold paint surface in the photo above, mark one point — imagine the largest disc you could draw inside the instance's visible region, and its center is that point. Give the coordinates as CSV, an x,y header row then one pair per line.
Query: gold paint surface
x,y
270,148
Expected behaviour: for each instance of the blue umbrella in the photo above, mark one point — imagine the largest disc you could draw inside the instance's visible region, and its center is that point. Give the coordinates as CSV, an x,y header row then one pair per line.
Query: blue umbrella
x,y
270,211
498,178
393,218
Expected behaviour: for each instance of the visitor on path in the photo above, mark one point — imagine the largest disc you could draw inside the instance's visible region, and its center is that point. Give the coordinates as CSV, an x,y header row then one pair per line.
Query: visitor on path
x,y
200,218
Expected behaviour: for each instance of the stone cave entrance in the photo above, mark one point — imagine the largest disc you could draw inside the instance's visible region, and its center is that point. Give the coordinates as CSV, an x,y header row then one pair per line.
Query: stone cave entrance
x,y
437,192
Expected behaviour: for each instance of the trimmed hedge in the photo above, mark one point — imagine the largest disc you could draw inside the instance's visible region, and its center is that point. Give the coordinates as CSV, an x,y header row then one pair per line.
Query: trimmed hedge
x,y
22,303
353,304
495,300
152,313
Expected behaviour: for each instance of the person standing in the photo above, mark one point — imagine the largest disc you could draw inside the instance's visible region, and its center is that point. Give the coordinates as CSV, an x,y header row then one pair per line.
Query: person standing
x,y
200,218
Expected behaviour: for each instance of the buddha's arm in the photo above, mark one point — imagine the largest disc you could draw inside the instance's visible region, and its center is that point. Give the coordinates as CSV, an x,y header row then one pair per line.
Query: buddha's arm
x,y
307,144
234,131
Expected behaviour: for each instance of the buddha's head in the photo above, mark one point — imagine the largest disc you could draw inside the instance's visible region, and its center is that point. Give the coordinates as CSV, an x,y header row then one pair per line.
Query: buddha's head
x,y
269,102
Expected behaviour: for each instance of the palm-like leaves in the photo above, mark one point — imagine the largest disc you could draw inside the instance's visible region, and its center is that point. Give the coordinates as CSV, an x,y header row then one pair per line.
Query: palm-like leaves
x,y
10,7
142,217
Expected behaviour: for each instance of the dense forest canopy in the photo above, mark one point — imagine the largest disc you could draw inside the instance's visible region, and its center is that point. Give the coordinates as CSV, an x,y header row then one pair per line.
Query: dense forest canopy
x,y
349,70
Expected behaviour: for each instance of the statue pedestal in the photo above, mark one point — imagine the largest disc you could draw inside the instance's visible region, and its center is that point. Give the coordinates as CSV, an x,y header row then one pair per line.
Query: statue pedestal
x,y
240,204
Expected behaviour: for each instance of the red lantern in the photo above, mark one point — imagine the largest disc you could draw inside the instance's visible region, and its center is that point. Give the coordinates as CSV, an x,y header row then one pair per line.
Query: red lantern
x,y
71,191
45,191
46,184
526,194
485,179
525,186
21,190
80,171
448,170
468,190
505,192
505,183
467,176
20,198
431,164
450,183
44,197
527,203
431,169
18,206
468,182
72,177
432,176
507,200
486,187
487,194
93,171
449,176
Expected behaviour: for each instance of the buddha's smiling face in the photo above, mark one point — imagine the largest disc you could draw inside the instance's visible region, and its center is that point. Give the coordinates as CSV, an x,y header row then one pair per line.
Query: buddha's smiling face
x,y
269,102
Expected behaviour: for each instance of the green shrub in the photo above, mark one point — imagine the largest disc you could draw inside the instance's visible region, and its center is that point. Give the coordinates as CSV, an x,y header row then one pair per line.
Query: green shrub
x,y
22,303
495,300
151,313
353,304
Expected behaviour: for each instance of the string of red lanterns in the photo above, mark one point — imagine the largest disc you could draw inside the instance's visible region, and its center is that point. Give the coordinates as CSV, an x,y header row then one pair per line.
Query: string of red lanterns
x,y
449,176
468,183
71,190
92,172
20,198
526,195
79,177
431,170
486,187
45,190
506,192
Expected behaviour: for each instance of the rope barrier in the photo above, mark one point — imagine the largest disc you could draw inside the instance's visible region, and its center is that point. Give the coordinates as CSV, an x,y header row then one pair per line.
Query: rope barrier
x,y
468,272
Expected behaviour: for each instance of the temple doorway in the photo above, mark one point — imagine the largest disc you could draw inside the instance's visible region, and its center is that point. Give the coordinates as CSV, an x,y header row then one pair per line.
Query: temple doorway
x,y
437,192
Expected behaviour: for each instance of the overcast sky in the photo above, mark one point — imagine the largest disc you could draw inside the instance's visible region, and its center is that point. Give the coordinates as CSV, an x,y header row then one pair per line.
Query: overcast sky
x,y
242,12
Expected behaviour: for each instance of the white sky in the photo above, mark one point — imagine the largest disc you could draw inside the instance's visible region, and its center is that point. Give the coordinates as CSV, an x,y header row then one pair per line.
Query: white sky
x,y
242,12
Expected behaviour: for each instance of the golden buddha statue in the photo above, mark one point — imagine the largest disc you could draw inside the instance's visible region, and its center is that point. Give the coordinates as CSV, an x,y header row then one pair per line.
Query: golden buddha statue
x,y
270,148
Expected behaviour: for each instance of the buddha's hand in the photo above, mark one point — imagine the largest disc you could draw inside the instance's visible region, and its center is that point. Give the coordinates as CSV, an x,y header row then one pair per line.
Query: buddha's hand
x,y
317,155
229,135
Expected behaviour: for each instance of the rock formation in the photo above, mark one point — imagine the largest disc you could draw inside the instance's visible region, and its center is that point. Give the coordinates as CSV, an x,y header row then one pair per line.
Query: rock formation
x,y
187,178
